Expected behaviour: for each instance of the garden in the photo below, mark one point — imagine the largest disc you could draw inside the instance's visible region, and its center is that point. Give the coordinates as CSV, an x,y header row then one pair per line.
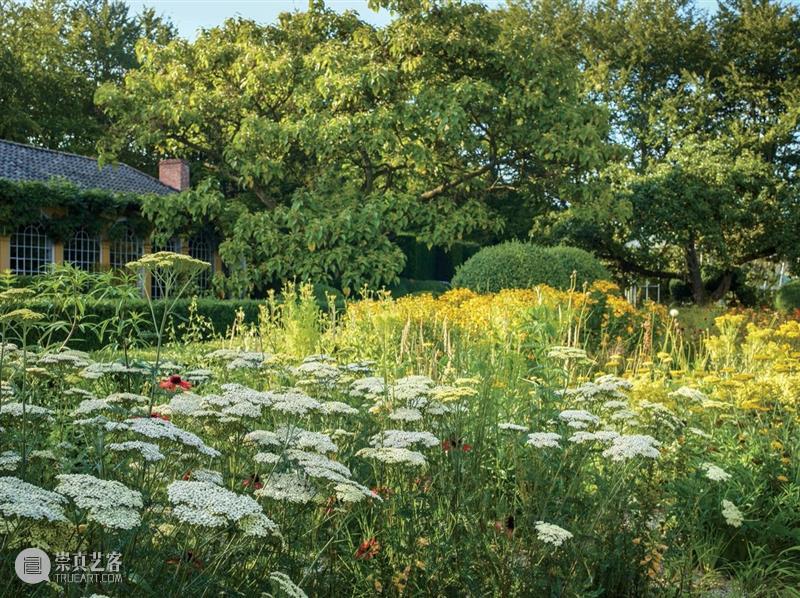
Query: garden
x,y
519,442
443,298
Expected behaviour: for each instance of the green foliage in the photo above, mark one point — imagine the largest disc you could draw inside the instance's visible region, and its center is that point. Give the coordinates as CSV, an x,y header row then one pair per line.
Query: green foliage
x,y
328,139
409,286
55,53
516,265
787,298
22,203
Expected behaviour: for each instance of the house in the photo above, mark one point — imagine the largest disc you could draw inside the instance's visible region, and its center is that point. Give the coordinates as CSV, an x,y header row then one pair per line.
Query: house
x,y
28,249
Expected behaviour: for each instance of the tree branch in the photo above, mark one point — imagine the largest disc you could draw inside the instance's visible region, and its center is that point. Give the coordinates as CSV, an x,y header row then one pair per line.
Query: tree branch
x,y
445,187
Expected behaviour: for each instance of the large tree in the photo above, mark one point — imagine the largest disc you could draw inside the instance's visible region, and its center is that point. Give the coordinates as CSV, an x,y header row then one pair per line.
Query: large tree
x,y
323,140
53,56
709,111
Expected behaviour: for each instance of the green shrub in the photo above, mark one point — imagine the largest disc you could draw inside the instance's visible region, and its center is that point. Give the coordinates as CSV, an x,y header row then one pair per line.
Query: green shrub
x,y
586,267
220,313
515,265
788,297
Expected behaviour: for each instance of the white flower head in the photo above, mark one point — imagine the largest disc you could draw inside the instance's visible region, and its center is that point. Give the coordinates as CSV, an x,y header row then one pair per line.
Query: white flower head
x,y
552,534
715,473
109,503
544,439
634,445
509,427
732,514
403,439
393,456
21,499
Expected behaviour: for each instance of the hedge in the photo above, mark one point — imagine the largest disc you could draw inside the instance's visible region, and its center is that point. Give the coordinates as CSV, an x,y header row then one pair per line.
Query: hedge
x,y
515,265
221,313
787,299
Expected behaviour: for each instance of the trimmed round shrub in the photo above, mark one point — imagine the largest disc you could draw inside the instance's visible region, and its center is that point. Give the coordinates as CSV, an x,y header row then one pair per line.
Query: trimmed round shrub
x,y
788,297
586,267
515,265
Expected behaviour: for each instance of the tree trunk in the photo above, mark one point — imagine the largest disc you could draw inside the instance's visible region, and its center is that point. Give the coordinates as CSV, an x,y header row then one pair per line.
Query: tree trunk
x,y
724,286
695,275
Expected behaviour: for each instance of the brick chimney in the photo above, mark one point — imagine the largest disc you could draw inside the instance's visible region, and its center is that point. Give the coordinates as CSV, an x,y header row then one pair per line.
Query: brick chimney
x,y
174,173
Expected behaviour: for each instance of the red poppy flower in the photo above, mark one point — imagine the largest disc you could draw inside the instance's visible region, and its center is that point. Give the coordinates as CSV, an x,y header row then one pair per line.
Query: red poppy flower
x,y
175,382
368,549
158,415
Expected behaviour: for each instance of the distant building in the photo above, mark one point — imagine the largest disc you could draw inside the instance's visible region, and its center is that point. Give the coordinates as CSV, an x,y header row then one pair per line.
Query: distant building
x,y
28,250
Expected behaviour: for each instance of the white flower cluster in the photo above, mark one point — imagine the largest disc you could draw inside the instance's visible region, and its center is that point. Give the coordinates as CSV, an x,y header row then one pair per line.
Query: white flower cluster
x,y
549,533
294,402
370,387
18,409
337,408
90,406
206,475
629,446
698,432
411,387
286,585
264,438
208,505
393,456
96,371
601,435
604,386
733,516
161,429
240,359
406,414
578,418
509,427
290,487
567,353
403,439
544,439
305,440
321,371
127,399
109,503
68,358
359,367
197,376
320,467
21,499
149,451
9,460
715,473
692,394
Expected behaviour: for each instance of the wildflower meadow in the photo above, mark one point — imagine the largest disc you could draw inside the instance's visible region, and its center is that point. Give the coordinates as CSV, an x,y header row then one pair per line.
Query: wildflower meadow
x,y
520,443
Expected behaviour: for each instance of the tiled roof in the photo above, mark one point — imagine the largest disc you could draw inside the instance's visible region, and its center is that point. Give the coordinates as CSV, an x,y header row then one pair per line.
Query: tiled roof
x,y
19,162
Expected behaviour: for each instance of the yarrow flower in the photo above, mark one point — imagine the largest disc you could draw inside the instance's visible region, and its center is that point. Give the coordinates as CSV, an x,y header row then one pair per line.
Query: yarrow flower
x,y
148,451
109,503
578,418
286,585
207,505
287,486
544,439
403,439
732,514
552,534
9,460
714,473
509,427
393,456
161,429
634,445
21,499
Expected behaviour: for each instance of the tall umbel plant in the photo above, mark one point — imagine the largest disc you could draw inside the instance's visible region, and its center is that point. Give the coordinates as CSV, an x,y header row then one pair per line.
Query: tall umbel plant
x,y
174,273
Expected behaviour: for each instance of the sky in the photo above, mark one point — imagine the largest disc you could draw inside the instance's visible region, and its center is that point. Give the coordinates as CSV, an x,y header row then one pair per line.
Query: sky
x,y
191,15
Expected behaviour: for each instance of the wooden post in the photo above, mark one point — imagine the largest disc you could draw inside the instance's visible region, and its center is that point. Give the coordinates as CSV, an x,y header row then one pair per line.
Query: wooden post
x,y
58,252
5,253
105,254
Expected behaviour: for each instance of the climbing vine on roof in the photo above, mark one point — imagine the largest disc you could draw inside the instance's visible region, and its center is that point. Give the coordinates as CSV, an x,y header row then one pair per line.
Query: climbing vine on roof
x,y
62,208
